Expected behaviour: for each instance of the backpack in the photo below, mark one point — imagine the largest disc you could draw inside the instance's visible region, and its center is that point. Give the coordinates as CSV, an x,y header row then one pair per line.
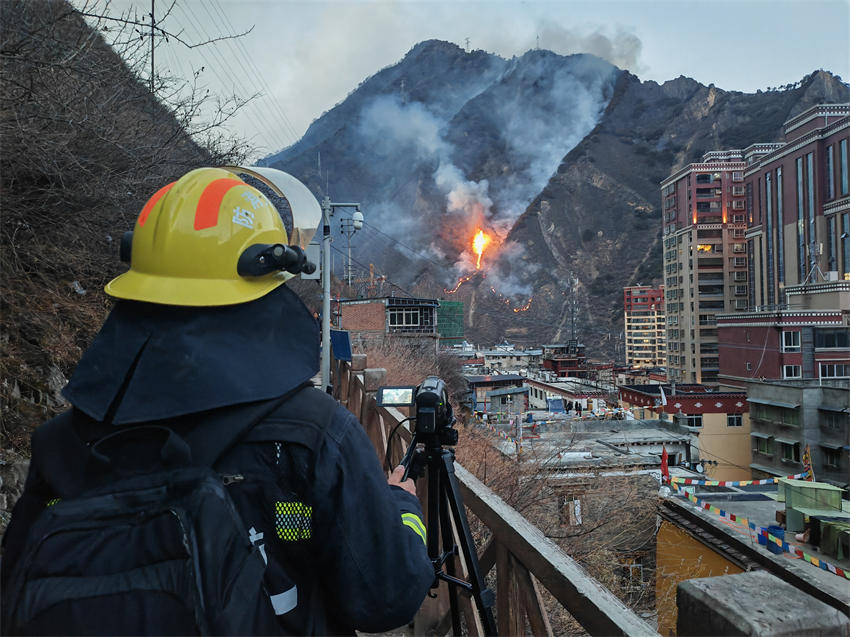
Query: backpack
x,y
162,552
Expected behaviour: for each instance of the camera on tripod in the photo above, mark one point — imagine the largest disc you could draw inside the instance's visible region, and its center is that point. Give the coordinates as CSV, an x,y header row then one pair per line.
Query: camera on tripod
x,y
433,420
431,413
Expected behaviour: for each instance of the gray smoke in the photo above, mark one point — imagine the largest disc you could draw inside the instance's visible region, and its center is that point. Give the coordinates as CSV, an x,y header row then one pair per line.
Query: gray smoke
x,y
540,108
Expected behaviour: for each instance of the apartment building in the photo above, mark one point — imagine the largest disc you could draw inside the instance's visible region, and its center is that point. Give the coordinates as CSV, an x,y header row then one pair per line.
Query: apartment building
x,y
705,218
798,204
644,326
791,349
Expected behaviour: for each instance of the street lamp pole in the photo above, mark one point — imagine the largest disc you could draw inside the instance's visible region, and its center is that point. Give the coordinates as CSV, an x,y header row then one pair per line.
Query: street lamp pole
x,y
328,208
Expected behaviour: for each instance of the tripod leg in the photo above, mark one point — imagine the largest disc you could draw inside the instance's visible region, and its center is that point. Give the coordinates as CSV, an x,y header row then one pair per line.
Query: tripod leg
x,y
454,500
448,542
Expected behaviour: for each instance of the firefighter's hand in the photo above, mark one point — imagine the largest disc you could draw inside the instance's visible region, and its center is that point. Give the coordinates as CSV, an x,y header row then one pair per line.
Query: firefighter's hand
x,y
395,478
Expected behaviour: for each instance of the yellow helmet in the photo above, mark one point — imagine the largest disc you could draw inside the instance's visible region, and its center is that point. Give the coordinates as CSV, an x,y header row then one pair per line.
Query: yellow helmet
x,y
207,239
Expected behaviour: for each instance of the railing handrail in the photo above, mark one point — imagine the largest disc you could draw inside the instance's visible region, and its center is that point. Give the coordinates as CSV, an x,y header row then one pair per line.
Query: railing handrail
x,y
519,550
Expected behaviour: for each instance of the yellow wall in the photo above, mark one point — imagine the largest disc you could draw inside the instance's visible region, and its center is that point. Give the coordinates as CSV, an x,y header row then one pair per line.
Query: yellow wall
x,y
681,557
729,446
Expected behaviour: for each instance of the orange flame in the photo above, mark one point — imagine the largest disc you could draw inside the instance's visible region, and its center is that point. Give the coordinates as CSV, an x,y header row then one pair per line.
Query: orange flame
x,y
478,244
525,307
460,282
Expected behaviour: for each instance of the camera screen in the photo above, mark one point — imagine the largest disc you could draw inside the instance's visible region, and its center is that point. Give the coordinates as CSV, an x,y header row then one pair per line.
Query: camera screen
x,y
396,396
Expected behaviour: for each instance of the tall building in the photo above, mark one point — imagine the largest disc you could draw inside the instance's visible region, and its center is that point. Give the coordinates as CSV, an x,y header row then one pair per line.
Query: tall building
x,y
705,215
798,200
791,349
644,326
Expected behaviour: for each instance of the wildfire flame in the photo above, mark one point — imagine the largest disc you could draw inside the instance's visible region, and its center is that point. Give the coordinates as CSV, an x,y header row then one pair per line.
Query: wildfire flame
x,y
525,307
460,282
479,243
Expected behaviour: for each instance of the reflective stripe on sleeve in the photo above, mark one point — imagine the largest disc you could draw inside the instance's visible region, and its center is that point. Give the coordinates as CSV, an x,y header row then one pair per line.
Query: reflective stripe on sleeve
x,y
414,522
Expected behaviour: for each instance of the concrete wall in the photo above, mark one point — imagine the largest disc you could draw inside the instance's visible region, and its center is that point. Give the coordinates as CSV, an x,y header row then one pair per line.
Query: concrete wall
x,y
754,603
729,446
679,557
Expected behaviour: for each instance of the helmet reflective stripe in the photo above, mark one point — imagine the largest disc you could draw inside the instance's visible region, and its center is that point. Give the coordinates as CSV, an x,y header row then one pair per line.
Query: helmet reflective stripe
x,y
143,215
206,214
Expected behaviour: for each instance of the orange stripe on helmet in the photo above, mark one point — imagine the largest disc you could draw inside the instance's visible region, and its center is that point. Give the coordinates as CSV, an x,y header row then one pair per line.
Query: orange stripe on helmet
x,y
143,215
206,214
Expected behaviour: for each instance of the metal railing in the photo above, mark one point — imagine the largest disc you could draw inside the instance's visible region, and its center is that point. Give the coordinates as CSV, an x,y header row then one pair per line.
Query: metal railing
x,y
524,558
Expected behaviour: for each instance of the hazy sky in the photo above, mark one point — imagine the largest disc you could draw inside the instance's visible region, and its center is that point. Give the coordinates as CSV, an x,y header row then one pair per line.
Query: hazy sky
x,y
306,56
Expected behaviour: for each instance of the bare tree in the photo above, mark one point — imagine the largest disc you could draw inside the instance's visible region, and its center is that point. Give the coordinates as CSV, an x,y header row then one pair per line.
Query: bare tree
x,y
87,136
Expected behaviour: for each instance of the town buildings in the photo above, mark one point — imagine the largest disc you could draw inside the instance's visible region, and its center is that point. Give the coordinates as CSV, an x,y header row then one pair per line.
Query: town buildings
x,y
791,349
377,320
720,421
644,326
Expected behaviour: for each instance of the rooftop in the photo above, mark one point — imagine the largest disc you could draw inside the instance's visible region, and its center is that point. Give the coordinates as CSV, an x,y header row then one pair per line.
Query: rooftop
x,y
757,505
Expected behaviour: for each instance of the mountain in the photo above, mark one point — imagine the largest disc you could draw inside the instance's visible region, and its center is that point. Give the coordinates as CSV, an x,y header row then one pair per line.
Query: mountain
x,y
559,158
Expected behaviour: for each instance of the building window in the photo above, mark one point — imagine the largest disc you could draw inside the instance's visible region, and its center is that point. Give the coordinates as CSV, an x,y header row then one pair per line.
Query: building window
x,y
835,370
763,446
790,341
810,204
780,229
569,511
830,244
834,421
831,457
693,420
734,420
404,317
801,224
791,371
791,452
737,175
830,174
845,242
834,338
842,166
631,573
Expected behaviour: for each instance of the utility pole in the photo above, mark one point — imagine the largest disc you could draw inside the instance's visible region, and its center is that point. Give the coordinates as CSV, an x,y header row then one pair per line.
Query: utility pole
x,y
328,208
467,44
153,26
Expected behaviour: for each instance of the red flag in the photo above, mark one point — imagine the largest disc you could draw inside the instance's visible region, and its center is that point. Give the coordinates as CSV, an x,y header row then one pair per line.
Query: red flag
x,y
665,472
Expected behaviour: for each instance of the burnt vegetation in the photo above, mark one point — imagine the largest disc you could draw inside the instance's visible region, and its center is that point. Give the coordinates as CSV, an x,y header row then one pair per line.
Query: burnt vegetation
x,y
87,136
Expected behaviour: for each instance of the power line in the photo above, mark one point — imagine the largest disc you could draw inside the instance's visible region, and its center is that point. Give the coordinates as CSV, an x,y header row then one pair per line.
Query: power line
x,y
225,67
258,75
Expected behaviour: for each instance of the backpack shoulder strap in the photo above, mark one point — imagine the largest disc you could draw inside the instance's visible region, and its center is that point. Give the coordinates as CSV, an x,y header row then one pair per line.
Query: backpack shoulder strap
x,y
59,456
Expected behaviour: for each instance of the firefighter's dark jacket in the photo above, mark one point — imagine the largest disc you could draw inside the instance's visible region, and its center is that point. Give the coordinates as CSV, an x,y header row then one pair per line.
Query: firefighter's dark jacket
x,y
351,545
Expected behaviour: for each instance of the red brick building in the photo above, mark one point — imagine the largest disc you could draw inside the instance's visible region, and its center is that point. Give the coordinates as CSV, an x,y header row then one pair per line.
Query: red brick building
x,y
376,320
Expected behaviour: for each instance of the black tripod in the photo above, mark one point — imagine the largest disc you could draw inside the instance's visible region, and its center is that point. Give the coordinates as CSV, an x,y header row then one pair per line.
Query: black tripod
x,y
444,507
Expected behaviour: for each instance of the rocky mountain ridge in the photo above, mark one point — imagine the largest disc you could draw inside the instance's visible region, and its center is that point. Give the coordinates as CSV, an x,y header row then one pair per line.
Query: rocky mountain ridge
x,y
559,156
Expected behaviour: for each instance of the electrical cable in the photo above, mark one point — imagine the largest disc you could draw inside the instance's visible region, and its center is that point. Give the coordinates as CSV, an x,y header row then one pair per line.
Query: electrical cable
x,y
258,75
245,65
236,84
389,443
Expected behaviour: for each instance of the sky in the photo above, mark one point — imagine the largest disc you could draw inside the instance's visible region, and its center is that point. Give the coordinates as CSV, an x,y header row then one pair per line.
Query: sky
x,y
304,57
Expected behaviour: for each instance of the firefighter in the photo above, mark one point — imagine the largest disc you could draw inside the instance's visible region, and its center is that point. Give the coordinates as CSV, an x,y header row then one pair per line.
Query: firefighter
x,y
203,326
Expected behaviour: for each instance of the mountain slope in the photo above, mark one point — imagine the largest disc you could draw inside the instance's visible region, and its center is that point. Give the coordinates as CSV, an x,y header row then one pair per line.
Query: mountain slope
x,y
559,157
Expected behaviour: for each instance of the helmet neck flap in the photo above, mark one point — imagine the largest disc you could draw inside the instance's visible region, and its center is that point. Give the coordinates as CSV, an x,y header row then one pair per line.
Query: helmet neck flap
x,y
153,362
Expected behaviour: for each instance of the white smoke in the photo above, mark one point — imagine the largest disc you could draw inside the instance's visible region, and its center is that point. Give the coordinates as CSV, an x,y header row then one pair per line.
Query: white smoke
x,y
540,108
